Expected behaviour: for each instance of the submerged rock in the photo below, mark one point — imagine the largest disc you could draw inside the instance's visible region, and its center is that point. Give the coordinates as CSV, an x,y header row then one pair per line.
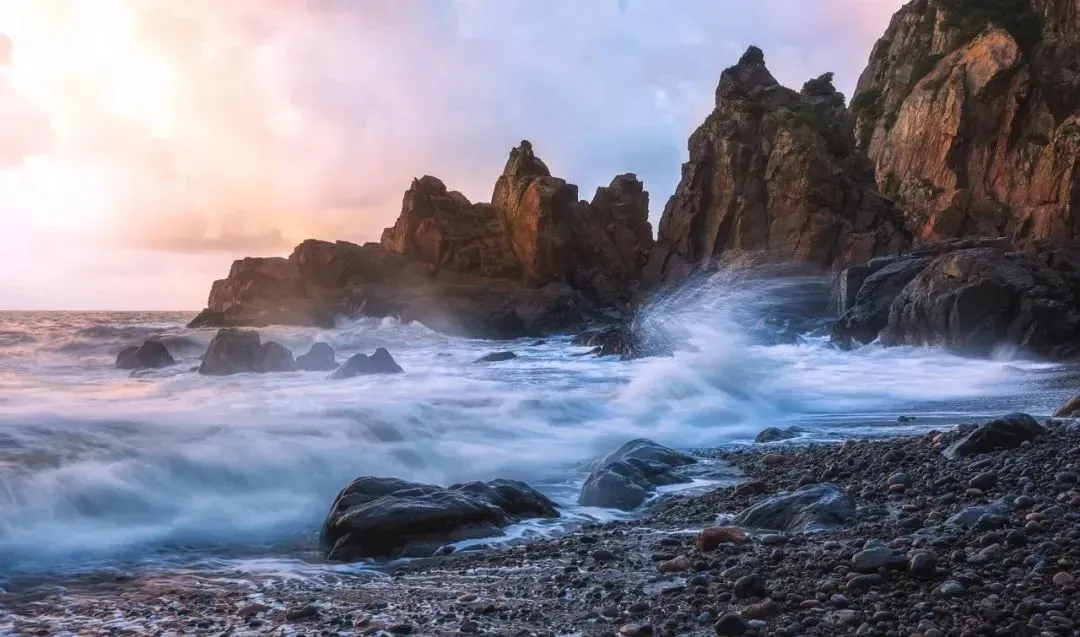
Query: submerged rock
x,y
811,508
1007,432
274,357
388,517
775,434
149,355
626,477
496,357
380,362
320,358
232,351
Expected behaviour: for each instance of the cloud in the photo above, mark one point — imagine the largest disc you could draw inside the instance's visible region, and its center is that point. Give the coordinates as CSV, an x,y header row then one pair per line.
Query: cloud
x,y
245,126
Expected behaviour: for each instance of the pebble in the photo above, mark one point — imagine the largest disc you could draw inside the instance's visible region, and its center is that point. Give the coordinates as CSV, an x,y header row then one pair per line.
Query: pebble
x,y
983,481
712,537
297,614
677,565
1063,579
951,588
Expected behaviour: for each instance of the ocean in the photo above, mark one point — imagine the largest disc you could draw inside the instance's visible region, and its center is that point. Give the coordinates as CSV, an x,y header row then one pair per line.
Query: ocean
x,y
105,471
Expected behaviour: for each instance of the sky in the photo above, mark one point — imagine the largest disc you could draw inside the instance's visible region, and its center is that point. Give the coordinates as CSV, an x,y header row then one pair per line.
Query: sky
x,y
145,144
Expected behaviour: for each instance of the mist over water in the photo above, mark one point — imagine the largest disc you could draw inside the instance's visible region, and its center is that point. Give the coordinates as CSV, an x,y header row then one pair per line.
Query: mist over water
x,y
99,467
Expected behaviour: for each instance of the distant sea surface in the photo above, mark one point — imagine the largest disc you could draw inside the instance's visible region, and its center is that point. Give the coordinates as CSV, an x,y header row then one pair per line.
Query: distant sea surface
x,y
102,469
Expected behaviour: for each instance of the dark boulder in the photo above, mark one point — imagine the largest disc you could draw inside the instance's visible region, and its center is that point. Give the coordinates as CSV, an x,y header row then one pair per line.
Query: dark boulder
x,y
388,517
274,357
496,357
149,355
971,295
626,477
320,358
232,351
380,362
513,496
811,508
775,434
1007,432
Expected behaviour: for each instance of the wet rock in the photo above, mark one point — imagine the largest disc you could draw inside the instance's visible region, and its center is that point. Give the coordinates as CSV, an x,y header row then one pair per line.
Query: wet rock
x,y
149,355
763,610
297,614
1069,409
923,564
232,351
626,477
1007,432
774,434
320,358
983,481
750,586
380,362
871,559
274,357
496,357
676,565
951,588
710,538
813,507
970,516
731,624
387,517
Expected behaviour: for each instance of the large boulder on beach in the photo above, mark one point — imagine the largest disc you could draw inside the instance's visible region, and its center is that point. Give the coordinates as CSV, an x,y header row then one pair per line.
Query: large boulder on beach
x,y
320,358
380,362
811,508
149,355
1007,432
232,351
627,476
387,517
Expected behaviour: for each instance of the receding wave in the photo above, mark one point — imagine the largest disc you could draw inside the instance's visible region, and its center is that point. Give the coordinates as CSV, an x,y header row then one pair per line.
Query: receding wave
x,y
97,465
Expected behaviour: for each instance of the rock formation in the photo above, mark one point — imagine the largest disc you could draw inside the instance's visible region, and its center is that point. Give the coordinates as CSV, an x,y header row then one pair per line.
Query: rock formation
x,y
534,261
380,362
970,111
234,351
149,355
775,173
971,295
388,517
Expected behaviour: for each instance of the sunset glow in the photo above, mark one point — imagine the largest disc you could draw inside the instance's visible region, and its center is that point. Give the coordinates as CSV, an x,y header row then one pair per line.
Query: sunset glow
x,y
217,130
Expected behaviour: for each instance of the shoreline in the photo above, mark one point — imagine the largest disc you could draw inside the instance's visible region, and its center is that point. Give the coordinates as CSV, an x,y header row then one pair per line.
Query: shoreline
x,y
1013,569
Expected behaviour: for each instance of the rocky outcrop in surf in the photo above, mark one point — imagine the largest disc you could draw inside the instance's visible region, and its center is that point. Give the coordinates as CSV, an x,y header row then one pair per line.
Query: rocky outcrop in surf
x,y
970,111
971,295
149,355
534,261
775,174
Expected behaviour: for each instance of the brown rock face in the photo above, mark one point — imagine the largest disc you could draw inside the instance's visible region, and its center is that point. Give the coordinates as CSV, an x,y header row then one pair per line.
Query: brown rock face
x,y
534,261
447,230
970,111
775,173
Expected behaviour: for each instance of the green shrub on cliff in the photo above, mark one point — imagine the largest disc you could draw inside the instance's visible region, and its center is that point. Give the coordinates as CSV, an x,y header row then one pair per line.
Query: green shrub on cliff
x,y
1018,17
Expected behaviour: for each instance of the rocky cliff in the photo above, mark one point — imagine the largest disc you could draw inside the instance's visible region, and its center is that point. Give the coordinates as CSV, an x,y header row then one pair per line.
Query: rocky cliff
x,y
775,173
534,261
970,111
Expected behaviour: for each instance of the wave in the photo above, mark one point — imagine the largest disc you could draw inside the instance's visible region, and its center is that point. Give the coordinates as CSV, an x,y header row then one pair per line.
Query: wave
x,y
100,466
